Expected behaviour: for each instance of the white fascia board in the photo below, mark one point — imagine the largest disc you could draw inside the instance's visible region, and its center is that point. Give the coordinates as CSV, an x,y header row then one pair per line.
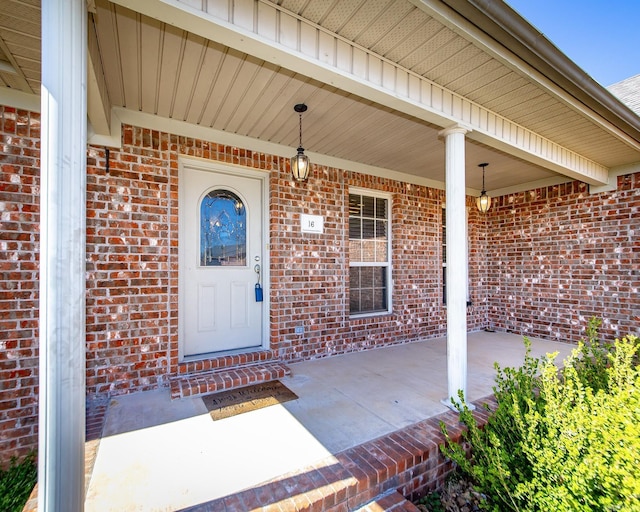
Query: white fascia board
x,y
271,33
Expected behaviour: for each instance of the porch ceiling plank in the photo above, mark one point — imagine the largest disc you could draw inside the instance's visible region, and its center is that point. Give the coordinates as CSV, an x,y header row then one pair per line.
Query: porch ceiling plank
x,y
239,90
368,14
377,85
463,63
378,30
16,80
475,81
365,123
264,91
213,57
377,124
292,88
109,50
252,79
428,56
130,58
192,54
225,90
336,17
30,69
151,40
403,37
172,45
284,127
443,60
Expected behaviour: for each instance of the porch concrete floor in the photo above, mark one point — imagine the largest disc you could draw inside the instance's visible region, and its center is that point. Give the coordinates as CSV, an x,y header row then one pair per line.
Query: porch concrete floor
x,y
157,454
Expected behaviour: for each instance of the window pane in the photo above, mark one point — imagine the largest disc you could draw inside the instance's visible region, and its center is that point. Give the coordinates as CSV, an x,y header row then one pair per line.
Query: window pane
x,y
368,206
379,299
378,276
355,250
368,229
355,205
366,300
355,228
354,301
381,208
222,229
354,278
381,229
381,251
368,251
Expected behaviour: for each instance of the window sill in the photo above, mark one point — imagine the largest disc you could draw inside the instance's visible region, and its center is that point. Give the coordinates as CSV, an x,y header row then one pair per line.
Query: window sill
x,y
358,316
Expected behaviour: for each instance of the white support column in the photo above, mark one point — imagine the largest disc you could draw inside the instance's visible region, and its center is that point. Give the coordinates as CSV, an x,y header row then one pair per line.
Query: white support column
x,y
456,263
62,256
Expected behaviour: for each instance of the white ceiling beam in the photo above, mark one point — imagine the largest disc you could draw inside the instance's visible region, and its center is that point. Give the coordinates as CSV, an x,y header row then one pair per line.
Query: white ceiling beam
x,y
18,99
275,35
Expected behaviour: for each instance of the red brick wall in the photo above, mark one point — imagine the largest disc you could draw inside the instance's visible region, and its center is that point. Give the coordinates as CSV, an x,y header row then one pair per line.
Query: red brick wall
x,y
19,198
540,263
132,263
559,256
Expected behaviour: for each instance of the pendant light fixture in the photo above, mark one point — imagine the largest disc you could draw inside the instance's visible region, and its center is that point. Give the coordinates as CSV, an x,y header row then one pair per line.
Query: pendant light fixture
x,y
484,201
300,163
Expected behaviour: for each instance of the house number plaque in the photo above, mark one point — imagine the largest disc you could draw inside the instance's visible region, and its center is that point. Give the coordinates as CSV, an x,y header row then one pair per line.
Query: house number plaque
x,y
312,223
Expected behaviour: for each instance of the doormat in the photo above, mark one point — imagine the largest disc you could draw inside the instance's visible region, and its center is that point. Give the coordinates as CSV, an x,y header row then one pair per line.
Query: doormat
x,y
237,401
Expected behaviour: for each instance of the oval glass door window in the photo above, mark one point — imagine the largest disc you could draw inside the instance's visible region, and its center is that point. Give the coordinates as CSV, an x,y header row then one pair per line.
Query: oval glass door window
x,y
223,230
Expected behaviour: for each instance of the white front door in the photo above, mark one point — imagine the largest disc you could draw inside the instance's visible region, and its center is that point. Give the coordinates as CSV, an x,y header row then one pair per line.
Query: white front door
x,y
221,260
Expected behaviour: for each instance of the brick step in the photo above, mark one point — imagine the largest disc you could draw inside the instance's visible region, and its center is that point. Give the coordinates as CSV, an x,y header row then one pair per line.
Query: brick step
x,y
206,383
389,502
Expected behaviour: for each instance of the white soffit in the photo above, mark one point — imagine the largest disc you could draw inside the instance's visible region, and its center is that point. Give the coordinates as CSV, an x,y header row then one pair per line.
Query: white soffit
x,y
280,37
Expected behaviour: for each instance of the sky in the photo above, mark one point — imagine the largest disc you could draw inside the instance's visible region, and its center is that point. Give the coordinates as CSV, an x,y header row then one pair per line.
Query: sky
x,y
600,36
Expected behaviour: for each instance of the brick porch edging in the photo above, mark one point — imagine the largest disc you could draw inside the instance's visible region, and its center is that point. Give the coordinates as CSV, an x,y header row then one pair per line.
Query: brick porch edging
x,y
376,475
407,461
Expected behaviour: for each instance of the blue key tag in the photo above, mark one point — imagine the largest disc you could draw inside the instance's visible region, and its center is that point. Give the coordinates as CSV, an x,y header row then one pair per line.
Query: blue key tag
x,y
258,292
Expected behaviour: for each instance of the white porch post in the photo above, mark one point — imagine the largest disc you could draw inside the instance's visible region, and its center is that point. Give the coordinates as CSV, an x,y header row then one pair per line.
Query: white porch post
x,y
62,256
456,263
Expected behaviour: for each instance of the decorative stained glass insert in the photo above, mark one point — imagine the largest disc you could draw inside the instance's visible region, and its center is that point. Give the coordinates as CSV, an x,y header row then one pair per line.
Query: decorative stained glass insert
x,y
223,230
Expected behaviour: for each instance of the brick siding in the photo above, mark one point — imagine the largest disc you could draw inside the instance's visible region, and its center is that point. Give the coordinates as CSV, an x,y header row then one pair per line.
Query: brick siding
x,y
559,256
19,238
540,262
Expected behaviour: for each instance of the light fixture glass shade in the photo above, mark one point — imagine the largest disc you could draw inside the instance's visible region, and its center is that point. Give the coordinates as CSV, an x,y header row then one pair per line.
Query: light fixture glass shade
x,y
483,202
300,165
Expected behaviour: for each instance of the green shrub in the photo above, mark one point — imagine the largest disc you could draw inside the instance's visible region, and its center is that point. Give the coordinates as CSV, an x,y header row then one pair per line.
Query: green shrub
x,y
16,483
561,440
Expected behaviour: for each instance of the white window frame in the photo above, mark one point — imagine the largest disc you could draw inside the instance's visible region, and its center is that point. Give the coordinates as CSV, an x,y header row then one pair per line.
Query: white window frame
x,y
388,265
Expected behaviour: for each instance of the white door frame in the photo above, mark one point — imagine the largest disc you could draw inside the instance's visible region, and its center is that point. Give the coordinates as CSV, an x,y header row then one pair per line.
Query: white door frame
x,y
185,163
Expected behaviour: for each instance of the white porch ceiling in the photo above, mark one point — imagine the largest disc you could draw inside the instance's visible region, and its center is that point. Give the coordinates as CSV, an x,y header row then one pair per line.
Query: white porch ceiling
x,y
159,69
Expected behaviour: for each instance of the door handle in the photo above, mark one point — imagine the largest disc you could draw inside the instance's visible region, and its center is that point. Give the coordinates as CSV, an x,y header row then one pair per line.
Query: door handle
x,y
258,285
